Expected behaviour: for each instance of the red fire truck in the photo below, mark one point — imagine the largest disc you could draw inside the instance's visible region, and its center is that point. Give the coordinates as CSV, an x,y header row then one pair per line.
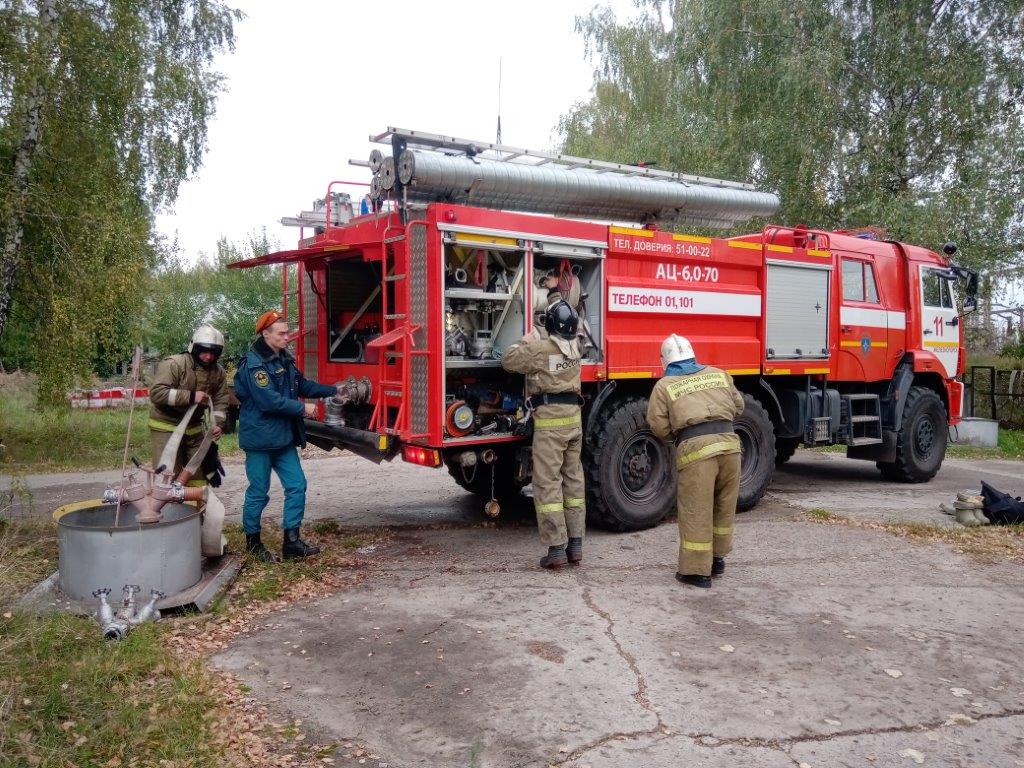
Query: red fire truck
x,y
832,338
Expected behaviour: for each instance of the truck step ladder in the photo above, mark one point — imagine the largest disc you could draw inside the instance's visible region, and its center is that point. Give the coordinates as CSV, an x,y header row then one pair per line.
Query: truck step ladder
x,y
862,415
395,345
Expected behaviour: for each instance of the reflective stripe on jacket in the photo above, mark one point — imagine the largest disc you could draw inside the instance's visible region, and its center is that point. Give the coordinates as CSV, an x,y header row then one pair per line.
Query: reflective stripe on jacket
x,y
683,401
174,388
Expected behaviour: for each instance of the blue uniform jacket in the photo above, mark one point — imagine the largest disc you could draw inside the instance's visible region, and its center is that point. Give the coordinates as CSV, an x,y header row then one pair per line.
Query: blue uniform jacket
x,y
268,385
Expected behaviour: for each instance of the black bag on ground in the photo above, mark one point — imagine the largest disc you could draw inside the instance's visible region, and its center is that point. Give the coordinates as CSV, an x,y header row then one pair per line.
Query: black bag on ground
x,y
1002,508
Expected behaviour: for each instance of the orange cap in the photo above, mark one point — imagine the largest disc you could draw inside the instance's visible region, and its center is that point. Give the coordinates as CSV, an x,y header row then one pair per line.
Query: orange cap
x,y
267,319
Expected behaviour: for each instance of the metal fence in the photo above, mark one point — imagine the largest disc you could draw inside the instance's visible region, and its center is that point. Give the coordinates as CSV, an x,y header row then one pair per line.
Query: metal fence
x,y
995,394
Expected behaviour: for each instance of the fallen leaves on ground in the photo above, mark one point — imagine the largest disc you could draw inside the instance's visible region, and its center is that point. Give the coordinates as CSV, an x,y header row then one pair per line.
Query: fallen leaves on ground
x,y
249,733
989,543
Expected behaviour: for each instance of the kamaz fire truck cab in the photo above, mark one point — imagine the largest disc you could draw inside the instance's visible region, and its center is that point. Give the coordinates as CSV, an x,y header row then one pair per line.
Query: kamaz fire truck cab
x,y
832,338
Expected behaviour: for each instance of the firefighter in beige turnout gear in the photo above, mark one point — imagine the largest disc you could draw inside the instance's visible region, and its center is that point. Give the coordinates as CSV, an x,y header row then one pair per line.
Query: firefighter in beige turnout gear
x,y
693,406
551,362
181,380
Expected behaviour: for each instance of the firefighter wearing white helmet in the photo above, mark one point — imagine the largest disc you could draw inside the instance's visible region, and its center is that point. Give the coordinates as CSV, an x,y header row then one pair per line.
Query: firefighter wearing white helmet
x,y
693,406
181,380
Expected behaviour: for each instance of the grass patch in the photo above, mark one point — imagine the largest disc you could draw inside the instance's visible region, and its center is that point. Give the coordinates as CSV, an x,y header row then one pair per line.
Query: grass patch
x,y
327,527
67,697
820,514
28,554
61,438
989,543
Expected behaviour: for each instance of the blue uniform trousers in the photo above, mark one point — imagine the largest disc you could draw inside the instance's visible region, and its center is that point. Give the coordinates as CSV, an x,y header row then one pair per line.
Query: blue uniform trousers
x,y
284,461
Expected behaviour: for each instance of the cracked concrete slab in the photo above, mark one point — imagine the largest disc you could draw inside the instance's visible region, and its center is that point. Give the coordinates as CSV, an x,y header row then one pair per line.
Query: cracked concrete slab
x,y
450,669
996,742
680,750
592,666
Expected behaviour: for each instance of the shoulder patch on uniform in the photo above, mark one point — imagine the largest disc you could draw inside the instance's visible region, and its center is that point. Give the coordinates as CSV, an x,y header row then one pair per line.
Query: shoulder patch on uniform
x,y
261,378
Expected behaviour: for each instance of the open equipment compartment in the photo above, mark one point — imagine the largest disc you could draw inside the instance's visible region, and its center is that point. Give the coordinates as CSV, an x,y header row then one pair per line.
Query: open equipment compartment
x,y
484,290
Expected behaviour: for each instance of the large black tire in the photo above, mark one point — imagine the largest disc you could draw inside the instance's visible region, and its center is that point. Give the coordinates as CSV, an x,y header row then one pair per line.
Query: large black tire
x,y
785,447
477,480
757,460
921,441
631,478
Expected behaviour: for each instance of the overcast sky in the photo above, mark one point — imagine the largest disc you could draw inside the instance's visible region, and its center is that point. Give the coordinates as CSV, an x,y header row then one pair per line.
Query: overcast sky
x,y
310,81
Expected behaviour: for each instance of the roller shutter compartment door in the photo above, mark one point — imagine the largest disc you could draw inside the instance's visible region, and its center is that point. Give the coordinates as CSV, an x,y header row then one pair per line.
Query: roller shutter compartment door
x,y
797,312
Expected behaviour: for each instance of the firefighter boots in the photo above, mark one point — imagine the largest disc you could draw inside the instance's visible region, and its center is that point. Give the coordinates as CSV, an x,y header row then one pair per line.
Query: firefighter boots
x,y
254,547
555,558
574,551
295,547
717,566
694,580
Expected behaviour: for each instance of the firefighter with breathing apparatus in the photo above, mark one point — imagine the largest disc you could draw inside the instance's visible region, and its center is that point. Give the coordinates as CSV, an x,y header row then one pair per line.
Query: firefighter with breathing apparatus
x,y
551,362
694,406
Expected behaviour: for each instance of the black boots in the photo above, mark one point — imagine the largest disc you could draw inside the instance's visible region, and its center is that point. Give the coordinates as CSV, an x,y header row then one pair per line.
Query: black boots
x,y
575,550
694,580
704,582
554,559
294,547
254,546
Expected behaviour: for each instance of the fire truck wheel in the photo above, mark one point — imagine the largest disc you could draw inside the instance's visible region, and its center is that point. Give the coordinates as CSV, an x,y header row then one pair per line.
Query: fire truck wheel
x,y
785,447
921,441
757,443
631,479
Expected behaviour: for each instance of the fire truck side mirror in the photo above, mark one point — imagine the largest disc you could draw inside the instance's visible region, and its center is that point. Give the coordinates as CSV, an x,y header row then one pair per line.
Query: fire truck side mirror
x,y
949,248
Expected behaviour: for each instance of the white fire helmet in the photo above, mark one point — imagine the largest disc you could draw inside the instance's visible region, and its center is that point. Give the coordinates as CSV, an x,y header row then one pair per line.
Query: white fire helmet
x,y
674,349
207,336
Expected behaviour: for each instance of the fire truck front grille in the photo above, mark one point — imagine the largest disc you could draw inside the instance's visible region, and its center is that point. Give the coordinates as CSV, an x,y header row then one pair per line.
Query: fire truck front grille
x,y
418,377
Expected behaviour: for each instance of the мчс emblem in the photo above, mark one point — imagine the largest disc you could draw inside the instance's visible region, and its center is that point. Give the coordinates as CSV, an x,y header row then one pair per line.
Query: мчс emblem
x,y
865,344
261,378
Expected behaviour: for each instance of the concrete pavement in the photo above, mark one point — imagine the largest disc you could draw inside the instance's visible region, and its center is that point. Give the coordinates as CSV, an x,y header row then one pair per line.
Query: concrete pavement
x,y
822,644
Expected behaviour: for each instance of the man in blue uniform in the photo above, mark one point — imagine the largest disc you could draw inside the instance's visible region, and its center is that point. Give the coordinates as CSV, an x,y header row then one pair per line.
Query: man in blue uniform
x,y
268,385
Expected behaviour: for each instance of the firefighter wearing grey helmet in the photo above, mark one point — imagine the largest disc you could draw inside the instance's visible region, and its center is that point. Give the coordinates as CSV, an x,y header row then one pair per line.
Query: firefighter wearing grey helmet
x,y
181,380
693,406
551,362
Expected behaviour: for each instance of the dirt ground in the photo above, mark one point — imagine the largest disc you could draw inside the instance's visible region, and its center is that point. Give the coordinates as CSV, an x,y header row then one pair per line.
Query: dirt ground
x,y
822,645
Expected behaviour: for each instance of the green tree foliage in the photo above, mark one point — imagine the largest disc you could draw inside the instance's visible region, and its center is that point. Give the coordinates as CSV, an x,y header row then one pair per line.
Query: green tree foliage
x,y
103,112
906,116
184,296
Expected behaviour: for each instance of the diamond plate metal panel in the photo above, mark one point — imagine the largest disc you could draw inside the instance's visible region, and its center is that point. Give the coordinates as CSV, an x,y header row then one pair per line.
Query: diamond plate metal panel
x,y
311,341
417,282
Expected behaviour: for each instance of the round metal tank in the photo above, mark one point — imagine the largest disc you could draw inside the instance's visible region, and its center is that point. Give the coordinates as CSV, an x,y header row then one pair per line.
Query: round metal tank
x,y
95,554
